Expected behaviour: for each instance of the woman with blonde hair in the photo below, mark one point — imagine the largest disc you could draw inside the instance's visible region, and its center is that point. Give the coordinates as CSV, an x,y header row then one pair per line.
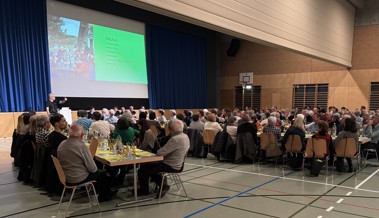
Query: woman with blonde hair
x,y
296,129
212,124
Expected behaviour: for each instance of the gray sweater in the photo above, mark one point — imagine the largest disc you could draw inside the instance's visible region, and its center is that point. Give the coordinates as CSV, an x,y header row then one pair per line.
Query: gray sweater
x,y
76,160
175,150
343,135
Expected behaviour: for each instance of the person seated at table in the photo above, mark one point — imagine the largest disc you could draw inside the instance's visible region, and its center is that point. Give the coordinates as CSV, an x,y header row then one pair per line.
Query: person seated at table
x,y
313,127
273,129
196,123
211,124
323,134
112,117
143,125
79,167
103,127
125,131
150,140
371,131
247,126
53,185
296,129
83,120
173,152
336,120
350,131
161,118
231,128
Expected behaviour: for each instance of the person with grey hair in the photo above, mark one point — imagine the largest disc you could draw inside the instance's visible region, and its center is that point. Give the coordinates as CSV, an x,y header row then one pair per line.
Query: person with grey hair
x,y
231,128
271,128
372,131
174,152
112,117
336,120
79,166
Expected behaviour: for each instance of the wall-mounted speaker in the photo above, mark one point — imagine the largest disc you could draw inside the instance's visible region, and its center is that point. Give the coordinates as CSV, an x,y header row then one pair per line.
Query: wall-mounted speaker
x,y
233,47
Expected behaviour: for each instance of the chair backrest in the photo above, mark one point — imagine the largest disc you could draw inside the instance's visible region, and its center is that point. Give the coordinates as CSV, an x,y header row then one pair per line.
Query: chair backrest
x,y
58,167
267,139
93,146
309,149
293,144
347,147
154,131
319,148
209,136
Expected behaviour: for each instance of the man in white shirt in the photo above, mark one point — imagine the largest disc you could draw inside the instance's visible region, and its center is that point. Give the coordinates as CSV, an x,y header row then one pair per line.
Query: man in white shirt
x,y
104,128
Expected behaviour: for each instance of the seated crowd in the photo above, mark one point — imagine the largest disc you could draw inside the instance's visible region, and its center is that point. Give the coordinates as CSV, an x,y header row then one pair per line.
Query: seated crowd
x,y
37,137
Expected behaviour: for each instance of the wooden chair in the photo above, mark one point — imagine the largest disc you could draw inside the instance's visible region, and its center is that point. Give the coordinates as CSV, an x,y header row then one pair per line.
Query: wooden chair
x,y
316,148
93,146
268,143
209,137
62,177
347,148
293,145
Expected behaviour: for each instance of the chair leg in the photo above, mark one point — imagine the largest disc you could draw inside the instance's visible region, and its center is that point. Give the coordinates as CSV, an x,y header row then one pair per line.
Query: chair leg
x,y
60,201
161,186
366,158
177,180
184,189
97,200
68,206
327,166
302,166
89,197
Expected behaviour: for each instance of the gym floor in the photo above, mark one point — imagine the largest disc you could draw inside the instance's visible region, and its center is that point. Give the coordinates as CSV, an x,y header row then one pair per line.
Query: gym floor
x,y
215,189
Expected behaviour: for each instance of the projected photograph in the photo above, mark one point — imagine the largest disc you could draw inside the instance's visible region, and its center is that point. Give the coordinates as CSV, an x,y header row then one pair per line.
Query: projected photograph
x,y
71,51
85,51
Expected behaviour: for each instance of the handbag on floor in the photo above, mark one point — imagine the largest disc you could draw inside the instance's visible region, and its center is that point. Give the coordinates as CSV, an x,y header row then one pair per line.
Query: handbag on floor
x,y
316,166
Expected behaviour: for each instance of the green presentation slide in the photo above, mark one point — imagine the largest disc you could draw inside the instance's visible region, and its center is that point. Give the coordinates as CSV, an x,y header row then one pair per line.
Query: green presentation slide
x,y
119,55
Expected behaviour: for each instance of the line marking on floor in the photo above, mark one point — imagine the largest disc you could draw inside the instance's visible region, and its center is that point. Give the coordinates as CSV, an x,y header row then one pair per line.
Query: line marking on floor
x,y
339,201
319,217
329,209
364,181
234,196
286,178
349,193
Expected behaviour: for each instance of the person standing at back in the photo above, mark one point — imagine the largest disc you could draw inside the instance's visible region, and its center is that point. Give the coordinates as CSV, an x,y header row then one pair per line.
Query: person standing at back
x,y
52,104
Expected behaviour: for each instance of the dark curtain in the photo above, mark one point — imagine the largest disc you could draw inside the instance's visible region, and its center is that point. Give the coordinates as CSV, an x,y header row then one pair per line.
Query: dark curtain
x,y
176,65
24,63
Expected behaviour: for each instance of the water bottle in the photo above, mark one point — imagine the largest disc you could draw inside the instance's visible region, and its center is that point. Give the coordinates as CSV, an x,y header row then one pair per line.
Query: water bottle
x,y
334,130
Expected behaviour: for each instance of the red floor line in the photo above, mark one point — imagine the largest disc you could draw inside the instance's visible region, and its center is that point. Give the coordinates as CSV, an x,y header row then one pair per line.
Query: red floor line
x,y
271,190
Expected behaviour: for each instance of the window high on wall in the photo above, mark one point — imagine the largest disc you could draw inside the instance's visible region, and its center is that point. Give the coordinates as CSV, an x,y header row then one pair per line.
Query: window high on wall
x,y
247,97
312,95
374,96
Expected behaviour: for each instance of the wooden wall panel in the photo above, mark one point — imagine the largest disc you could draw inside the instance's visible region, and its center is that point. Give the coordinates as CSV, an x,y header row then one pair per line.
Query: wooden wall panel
x,y
277,70
366,47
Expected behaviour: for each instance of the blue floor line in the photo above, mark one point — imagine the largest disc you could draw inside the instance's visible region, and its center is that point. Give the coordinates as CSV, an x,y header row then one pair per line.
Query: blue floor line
x,y
236,195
